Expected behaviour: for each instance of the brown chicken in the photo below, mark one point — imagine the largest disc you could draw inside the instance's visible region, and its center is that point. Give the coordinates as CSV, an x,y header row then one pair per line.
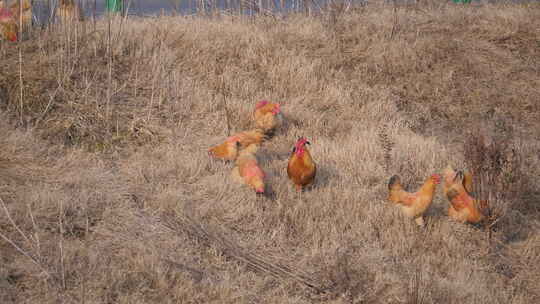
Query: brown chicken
x,y
247,170
301,168
267,116
26,13
413,205
8,24
68,11
463,207
229,149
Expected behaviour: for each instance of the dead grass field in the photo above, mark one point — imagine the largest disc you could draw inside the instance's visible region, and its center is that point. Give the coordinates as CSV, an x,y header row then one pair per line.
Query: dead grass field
x,y
108,195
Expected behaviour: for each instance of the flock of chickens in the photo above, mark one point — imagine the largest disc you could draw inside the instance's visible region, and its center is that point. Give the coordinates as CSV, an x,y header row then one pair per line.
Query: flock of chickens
x,y
11,16
457,187
242,148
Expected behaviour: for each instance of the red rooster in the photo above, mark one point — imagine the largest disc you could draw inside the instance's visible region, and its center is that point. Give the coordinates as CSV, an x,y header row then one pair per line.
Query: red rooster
x,y
301,168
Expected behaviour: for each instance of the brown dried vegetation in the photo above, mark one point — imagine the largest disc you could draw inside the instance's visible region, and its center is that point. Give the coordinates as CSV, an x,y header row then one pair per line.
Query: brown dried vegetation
x,y
108,195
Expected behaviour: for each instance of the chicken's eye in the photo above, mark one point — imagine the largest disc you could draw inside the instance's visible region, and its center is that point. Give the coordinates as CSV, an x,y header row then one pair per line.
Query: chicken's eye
x,y
294,149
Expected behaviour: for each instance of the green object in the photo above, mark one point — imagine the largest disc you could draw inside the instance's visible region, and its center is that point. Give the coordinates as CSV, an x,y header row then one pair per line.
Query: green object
x,y
114,5
462,1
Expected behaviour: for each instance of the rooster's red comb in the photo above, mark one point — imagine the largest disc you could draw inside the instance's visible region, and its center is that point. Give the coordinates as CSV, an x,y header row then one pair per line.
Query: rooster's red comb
x,y
261,104
301,141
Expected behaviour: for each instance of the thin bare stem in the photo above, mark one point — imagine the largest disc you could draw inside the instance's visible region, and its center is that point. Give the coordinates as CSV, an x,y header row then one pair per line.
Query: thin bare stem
x,y
226,108
17,247
26,254
13,222
60,245
21,89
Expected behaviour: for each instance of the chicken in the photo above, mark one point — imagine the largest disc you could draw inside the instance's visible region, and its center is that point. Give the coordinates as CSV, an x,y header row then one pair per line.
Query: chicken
x,y
229,149
463,207
267,116
11,17
413,205
301,168
68,11
247,170
26,13
8,25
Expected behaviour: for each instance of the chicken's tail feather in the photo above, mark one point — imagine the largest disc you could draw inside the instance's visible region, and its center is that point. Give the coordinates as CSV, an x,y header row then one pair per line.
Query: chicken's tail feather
x,y
394,180
468,181
262,136
459,176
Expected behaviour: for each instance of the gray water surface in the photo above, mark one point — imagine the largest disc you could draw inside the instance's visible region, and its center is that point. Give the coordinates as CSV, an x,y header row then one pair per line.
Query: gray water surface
x,y
44,9
182,7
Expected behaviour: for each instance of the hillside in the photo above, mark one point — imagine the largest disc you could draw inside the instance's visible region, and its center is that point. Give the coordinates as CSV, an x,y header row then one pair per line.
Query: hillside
x,y
107,193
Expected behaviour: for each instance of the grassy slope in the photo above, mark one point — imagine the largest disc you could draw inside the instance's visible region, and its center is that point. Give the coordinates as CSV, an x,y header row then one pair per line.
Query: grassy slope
x,y
120,203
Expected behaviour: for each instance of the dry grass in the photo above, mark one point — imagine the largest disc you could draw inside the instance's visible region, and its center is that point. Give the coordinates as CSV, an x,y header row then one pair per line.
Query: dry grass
x,y
112,198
